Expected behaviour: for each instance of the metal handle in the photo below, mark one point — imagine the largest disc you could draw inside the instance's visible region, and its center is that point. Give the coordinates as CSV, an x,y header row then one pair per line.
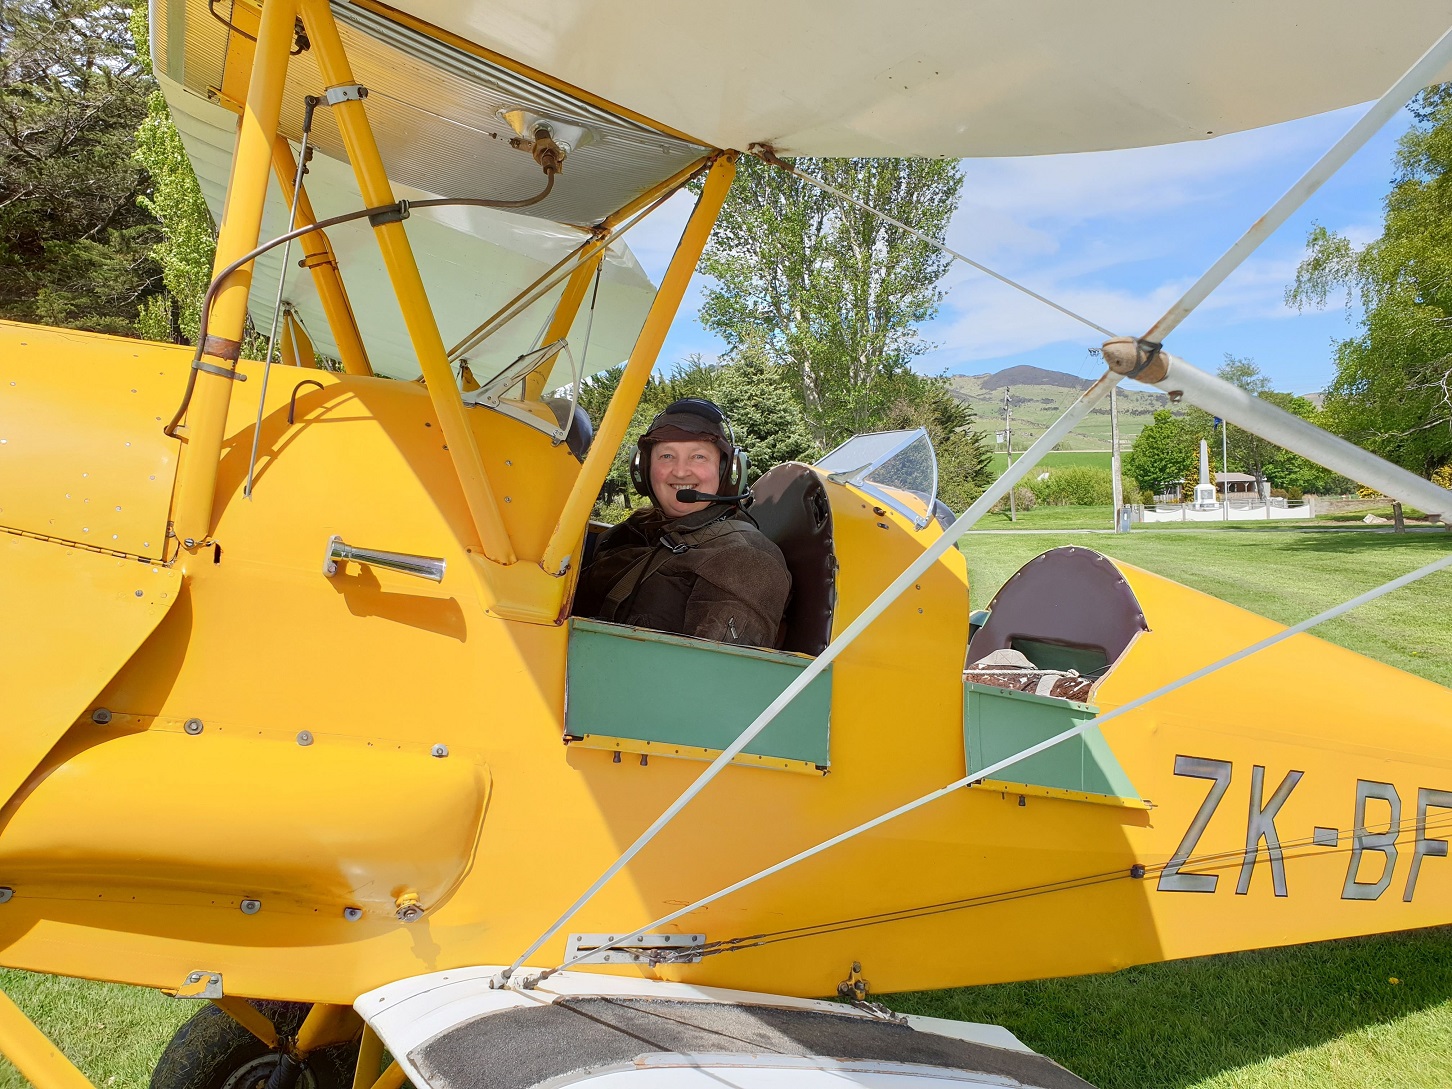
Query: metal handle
x,y
425,567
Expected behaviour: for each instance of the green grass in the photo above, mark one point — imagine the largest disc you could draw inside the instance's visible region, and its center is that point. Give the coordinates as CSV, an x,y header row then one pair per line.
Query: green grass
x,y
1411,514
1052,518
1322,1015
1286,574
1098,459
1318,1015
113,1033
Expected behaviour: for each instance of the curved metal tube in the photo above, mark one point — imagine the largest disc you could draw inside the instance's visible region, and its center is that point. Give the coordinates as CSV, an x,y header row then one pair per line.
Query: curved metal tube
x,y
400,210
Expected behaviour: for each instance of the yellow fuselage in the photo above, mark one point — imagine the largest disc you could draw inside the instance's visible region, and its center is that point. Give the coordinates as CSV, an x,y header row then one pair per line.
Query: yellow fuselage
x,y
311,784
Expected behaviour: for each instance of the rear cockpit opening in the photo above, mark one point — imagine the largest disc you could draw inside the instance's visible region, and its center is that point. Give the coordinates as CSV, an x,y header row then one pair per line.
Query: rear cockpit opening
x,y
1057,627
1054,631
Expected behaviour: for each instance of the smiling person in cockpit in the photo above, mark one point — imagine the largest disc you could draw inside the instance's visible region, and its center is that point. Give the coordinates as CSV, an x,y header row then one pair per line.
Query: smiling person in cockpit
x,y
693,562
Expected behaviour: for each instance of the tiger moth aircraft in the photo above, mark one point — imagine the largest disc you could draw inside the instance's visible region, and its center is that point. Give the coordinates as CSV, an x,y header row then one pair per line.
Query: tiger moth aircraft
x,y
298,722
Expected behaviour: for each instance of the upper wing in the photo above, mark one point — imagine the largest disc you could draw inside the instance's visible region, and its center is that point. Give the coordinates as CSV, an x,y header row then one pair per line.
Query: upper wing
x,y
958,77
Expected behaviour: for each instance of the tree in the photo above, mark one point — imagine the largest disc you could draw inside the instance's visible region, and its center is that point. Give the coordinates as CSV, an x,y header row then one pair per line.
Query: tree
x,y
964,458
1163,453
765,417
188,239
768,421
1247,451
77,241
825,290
1393,387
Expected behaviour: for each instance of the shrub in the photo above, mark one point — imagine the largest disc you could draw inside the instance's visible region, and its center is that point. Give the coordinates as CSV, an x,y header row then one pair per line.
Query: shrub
x,y
1147,497
1295,495
1023,498
1280,493
1075,486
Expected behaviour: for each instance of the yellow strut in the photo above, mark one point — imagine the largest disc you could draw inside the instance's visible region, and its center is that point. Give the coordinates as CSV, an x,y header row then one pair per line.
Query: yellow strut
x,y
297,346
391,1078
326,1025
370,1057
579,282
569,305
323,263
408,285
670,185
39,1060
249,1017
206,420
570,528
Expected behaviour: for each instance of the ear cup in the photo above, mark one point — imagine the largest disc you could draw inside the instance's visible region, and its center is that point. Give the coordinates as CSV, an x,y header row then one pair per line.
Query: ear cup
x,y
640,475
733,472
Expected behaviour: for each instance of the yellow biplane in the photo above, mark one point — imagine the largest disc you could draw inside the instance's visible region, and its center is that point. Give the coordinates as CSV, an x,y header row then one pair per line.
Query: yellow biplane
x,y
295,708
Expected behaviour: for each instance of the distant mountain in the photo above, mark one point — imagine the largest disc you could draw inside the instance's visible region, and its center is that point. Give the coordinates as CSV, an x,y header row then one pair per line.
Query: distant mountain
x,y
1037,397
1031,376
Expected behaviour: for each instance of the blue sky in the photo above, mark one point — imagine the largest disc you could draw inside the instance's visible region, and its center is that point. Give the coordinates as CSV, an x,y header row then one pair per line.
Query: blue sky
x,y
1118,236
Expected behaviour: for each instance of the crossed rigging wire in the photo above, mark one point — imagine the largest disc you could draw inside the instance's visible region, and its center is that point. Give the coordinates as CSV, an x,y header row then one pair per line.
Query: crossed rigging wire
x,y
1297,848
1419,75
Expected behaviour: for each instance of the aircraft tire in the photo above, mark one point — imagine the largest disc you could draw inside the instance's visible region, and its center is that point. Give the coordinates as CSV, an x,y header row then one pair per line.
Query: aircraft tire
x,y
212,1051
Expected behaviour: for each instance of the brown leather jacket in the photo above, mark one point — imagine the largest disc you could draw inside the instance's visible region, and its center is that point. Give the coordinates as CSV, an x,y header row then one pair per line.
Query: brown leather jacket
x,y
714,576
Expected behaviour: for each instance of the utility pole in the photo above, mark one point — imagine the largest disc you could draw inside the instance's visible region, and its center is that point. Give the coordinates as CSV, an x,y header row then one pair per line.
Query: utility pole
x,y
1008,447
1224,471
1116,483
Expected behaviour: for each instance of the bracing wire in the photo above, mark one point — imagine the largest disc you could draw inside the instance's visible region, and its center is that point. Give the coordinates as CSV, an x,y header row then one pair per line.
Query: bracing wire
x,y
1221,860
991,770
381,213
765,154
297,190
949,539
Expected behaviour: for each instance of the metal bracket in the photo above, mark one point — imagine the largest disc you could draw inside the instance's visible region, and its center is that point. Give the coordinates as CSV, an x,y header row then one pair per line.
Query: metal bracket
x,y
317,260
394,213
6,893
220,372
347,92
221,347
855,989
202,985
555,432
635,949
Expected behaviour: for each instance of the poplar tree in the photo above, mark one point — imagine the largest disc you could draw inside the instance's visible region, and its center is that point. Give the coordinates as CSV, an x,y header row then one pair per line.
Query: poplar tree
x,y
829,292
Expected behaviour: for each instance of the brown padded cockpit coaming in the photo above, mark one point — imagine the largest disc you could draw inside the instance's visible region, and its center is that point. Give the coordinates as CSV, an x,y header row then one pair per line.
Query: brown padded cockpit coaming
x,y
1068,597
792,509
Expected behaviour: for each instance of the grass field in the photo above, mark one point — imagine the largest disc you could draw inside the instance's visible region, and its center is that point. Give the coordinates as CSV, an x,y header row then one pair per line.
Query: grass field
x,y
1098,459
1327,1015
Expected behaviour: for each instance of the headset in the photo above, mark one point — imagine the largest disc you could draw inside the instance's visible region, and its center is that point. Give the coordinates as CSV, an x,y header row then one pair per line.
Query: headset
x,y
732,486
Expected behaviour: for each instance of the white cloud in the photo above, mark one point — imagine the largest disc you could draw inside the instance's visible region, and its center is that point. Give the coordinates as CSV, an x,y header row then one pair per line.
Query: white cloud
x,y
1116,236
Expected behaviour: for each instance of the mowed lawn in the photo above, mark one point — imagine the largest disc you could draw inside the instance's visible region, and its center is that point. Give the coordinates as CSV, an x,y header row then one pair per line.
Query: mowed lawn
x,y
1371,1011
1323,1015
1061,459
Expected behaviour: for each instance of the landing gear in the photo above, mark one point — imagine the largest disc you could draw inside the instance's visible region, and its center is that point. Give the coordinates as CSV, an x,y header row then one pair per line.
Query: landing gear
x,y
212,1051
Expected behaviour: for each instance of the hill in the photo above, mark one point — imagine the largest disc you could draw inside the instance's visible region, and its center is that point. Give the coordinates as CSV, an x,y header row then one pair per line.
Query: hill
x,y
1032,376
1038,397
